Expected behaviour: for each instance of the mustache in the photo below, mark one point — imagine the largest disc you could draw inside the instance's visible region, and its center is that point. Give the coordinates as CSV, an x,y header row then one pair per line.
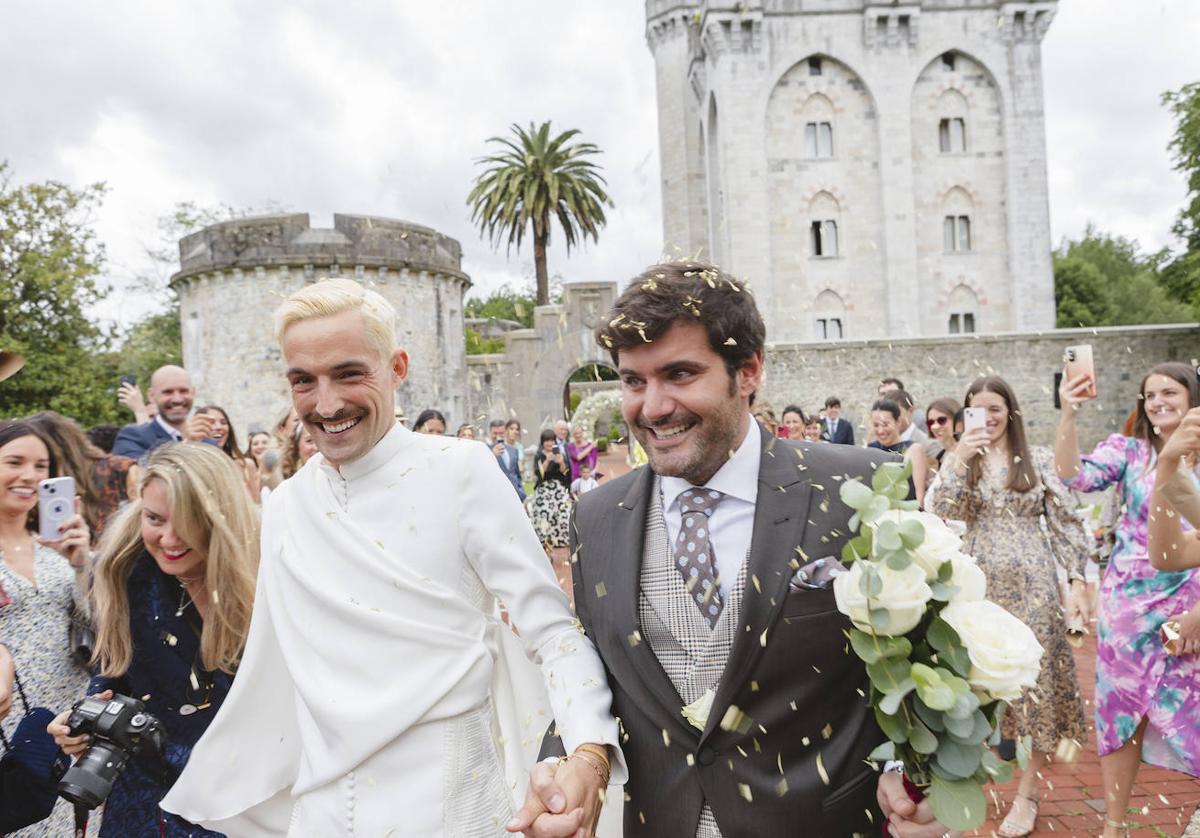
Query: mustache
x,y
673,419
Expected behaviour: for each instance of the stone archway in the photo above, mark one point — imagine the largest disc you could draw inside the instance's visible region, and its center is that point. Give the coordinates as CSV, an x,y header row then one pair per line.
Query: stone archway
x,y
596,413
590,378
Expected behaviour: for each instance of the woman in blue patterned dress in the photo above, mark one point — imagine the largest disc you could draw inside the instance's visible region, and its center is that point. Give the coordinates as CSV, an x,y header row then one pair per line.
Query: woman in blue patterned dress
x,y
174,589
40,585
1147,701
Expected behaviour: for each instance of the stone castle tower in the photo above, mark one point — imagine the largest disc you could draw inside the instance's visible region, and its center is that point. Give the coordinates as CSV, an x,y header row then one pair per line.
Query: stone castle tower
x,y
873,167
233,275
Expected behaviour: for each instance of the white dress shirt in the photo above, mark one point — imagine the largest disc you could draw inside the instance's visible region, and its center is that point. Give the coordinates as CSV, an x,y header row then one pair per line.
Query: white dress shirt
x,y
162,423
731,526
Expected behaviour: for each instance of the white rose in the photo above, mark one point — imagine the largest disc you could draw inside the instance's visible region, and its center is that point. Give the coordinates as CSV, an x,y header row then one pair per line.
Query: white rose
x,y
938,546
968,578
905,594
1005,656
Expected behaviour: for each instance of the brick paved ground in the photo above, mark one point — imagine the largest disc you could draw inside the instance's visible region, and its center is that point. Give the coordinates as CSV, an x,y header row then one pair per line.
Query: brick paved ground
x,y
1072,805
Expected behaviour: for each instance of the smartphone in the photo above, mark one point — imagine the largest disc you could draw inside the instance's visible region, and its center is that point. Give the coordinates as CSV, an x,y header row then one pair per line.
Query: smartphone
x,y
974,417
56,506
1057,384
131,380
1077,361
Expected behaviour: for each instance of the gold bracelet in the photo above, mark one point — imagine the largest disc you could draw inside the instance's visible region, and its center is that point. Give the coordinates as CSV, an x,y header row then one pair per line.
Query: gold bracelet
x,y
599,750
601,774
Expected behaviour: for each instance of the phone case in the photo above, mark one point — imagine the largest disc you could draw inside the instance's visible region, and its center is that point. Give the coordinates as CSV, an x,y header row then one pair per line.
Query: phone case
x,y
1077,361
56,506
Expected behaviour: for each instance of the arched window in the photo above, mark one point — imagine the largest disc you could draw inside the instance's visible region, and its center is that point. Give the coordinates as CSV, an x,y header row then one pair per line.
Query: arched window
x,y
829,314
957,209
824,215
963,311
817,114
952,127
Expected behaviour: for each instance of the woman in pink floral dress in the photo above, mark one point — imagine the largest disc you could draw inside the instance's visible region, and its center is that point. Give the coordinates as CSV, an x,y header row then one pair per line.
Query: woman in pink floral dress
x,y
1147,702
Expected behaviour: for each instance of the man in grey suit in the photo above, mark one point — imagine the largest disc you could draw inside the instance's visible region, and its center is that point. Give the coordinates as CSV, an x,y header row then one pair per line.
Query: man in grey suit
x,y
506,456
705,582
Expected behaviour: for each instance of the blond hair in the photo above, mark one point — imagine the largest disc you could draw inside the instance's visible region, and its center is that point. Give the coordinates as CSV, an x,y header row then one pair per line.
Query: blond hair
x,y
213,515
335,295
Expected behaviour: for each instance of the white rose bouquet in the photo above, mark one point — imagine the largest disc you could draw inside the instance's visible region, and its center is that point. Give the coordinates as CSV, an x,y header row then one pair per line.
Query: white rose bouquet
x,y
943,661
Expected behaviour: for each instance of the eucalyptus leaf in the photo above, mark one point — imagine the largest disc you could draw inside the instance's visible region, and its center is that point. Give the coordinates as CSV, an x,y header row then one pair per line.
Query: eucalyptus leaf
x,y
895,727
998,770
956,759
890,703
912,533
879,618
945,639
957,804
854,522
921,739
942,591
887,537
865,646
945,571
884,752
877,507
960,728
887,674
898,559
871,583
932,718
855,495
935,692
908,505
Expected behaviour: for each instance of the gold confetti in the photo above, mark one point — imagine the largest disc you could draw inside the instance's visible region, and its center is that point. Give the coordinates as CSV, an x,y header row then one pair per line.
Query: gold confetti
x,y
821,769
744,791
601,591
666,738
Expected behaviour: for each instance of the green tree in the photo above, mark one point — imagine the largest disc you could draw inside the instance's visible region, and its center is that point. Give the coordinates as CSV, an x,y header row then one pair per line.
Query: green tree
x,y
532,181
1102,280
50,263
504,303
1181,276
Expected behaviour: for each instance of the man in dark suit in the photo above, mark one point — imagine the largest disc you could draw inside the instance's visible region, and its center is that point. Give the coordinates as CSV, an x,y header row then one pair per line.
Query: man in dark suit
x,y
172,392
705,581
506,456
836,429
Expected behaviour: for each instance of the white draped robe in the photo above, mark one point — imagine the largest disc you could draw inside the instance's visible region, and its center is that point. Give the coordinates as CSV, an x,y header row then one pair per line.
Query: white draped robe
x,y
375,691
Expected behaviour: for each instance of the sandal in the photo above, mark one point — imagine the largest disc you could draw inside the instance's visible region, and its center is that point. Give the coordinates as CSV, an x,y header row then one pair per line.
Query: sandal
x,y
1015,826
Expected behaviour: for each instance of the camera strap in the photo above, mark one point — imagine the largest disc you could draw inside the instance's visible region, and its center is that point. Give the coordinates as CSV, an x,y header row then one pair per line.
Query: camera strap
x,y
24,703
81,820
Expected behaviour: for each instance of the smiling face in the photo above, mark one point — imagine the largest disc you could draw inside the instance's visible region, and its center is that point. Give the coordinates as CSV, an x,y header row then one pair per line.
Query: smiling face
x,y
259,443
560,429
24,462
577,434
171,553
812,431
1165,401
342,390
220,426
681,403
794,423
997,415
172,393
939,426
512,433
885,426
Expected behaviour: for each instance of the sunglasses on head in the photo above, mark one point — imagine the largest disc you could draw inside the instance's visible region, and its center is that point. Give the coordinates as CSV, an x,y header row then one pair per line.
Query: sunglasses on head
x,y
936,422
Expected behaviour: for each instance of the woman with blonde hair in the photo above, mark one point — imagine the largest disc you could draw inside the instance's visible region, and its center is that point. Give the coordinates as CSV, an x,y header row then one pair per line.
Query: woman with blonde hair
x,y
173,591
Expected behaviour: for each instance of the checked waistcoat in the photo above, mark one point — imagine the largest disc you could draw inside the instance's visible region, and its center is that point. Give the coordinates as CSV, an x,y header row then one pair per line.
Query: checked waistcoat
x,y
692,654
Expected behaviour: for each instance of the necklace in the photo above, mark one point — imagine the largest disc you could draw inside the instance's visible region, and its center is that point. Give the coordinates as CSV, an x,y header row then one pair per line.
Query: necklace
x,y
184,601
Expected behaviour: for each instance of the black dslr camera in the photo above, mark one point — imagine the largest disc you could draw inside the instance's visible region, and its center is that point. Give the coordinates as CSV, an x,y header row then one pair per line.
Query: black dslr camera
x,y
120,728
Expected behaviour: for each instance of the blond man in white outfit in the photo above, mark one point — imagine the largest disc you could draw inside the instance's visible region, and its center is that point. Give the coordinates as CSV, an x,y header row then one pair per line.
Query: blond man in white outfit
x,y
375,696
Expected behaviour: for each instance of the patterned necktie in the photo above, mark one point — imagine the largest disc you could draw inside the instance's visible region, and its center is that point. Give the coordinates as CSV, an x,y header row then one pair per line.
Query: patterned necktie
x,y
694,552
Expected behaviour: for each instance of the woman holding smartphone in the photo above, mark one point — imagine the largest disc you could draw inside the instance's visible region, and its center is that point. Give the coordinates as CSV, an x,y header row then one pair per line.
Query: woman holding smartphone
x,y
174,590
43,582
1000,488
1147,701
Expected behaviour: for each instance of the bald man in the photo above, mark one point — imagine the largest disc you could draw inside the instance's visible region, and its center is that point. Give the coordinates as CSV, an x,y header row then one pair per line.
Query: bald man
x,y
172,393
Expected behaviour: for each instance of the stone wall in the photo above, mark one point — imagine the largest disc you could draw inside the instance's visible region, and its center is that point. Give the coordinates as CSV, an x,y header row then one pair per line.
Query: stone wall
x,y
806,373
233,275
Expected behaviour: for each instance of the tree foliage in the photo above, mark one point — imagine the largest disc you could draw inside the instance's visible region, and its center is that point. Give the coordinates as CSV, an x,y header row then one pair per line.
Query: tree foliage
x,y
532,181
1181,276
50,264
1104,280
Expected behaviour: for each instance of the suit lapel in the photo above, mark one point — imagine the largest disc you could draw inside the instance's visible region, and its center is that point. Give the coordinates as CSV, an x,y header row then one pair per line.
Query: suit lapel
x,y
780,517
621,577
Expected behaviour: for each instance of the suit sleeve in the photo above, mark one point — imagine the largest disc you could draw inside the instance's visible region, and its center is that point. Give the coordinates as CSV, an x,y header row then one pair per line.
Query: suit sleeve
x,y
127,443
501,545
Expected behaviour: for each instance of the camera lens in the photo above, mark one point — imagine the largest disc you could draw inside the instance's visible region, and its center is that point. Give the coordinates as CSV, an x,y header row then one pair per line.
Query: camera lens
x,y
51,489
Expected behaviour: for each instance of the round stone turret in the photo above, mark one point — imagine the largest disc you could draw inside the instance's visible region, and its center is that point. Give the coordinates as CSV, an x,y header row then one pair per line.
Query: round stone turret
x,y
234,274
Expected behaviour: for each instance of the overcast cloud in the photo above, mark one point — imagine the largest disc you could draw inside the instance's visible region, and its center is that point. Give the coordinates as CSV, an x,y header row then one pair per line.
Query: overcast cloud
x,y
367,107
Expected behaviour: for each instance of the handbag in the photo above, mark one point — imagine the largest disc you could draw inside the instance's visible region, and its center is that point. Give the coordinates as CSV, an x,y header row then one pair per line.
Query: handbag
x,y
30,769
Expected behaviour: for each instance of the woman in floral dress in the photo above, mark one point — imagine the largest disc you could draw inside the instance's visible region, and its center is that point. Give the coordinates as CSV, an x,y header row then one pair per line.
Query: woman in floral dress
x,y
1000,488
550,506
1147,701
39,586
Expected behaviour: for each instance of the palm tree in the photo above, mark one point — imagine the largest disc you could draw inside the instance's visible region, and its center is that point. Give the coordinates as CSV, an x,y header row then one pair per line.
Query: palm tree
x,y
532,180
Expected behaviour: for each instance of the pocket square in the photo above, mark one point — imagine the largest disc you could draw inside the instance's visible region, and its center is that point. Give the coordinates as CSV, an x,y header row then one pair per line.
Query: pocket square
x,y
817,575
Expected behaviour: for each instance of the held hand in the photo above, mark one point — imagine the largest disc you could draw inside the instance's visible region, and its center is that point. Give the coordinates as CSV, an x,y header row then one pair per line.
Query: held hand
x,y
198,428
1189,632
563,802
70,745
130,396
1184,443
971,443
906,819
1079,604
1071,393
498,449
8,674
76,539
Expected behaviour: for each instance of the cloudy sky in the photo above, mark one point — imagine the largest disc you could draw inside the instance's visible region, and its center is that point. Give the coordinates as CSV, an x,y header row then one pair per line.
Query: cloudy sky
x,y
381,108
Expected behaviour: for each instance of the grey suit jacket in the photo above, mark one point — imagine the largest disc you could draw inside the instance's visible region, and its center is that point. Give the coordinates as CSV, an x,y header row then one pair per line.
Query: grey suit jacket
x,y
790,692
